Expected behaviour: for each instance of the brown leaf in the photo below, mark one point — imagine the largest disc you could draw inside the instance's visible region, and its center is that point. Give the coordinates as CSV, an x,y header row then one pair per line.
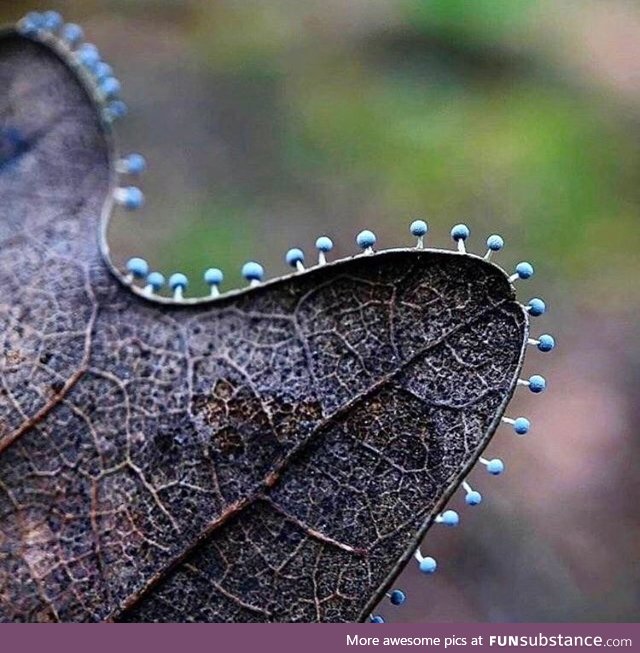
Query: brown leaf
x,y
272,455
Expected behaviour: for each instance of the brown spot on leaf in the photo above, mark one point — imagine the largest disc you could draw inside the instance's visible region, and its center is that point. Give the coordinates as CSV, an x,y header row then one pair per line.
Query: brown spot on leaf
x,y
14,357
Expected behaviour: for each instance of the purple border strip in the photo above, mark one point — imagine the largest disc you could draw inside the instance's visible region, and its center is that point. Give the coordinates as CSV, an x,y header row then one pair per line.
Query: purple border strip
x,y
315,638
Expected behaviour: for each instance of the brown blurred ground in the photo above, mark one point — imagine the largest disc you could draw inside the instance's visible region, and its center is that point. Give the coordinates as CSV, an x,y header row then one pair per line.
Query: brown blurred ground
x,y
269,123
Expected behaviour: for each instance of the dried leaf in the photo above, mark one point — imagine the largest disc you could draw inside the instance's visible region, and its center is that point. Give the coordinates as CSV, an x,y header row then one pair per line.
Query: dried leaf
x,y
273,455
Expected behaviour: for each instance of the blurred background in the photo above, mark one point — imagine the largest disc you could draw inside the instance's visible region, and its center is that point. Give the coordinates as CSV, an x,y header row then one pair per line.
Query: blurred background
x,y
266,124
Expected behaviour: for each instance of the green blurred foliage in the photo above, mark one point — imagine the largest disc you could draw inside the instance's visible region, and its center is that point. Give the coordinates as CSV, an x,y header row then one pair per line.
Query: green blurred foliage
x,y
475,21
528,157
431,129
